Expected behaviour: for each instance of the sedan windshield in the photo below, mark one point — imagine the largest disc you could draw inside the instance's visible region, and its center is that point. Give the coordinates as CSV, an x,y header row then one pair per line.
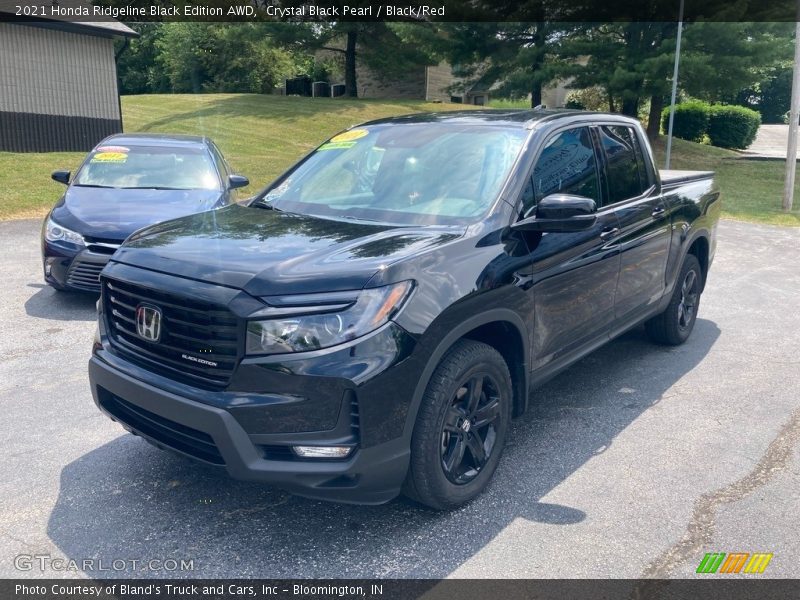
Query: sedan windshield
x,y
418,173
148,167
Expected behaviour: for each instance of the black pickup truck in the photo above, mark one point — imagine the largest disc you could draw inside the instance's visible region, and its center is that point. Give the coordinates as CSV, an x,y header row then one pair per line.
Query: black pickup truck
x,y
371,322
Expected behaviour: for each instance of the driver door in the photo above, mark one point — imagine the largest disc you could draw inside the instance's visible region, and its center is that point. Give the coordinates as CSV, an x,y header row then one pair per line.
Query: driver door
x,y
571,276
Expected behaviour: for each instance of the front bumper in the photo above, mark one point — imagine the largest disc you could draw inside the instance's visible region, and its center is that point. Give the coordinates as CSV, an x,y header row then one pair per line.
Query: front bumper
x,y
211,434
69,267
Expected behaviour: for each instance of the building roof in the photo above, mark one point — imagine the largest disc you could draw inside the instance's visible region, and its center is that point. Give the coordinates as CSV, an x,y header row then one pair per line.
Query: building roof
x,y
106,27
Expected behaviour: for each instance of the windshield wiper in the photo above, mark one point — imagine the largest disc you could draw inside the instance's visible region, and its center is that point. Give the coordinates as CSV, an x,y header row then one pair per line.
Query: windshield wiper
x,y
158,187
95,185
352,218
261,203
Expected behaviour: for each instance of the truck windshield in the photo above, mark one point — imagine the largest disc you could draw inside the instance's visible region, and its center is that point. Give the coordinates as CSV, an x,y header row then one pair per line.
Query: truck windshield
x,y
148,167
416,173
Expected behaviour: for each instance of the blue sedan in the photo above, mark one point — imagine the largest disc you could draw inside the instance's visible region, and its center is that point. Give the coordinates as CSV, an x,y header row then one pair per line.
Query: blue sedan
x,y
127,182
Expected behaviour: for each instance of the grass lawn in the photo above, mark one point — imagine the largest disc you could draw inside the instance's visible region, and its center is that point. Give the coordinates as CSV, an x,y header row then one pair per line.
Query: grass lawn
x,y
259,135
751,189
263,135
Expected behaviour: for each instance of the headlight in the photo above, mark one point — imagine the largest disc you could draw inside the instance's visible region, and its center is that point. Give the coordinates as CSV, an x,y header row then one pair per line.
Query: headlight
x,y
53,232
331,321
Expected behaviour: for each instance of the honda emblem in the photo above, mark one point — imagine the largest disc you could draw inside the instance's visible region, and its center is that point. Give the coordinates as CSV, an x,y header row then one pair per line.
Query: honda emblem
x,y
148,322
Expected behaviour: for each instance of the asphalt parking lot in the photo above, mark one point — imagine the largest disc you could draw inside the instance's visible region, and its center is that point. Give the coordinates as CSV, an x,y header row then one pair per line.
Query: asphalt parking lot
x,y
635,462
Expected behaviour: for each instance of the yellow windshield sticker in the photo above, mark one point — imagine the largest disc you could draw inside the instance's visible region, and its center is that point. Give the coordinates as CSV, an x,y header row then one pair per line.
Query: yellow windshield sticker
x,y
110,157
337,146
349,136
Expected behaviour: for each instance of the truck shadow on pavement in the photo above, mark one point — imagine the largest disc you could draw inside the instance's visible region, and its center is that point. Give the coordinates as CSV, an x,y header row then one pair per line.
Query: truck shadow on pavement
x,y
48,303
126,500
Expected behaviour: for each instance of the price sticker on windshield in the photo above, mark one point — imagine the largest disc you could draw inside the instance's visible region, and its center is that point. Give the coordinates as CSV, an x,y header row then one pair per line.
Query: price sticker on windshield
x,y
337,146
349,136
110,157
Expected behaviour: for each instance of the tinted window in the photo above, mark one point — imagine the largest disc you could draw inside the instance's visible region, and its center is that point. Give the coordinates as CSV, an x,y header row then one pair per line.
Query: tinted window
x,y
403,173
567,165
626,175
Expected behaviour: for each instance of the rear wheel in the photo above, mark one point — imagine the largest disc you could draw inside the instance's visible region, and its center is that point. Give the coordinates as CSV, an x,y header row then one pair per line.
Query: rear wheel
x,y
461,426
673,326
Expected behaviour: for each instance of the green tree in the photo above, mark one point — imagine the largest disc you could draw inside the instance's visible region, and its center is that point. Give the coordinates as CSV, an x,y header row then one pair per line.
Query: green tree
x,y
632,62
519,58
720,59
221,57
772,95
376,45
137,66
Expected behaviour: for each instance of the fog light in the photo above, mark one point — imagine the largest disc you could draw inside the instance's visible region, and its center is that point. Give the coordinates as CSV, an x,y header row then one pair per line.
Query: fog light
x,y
322,451
47,268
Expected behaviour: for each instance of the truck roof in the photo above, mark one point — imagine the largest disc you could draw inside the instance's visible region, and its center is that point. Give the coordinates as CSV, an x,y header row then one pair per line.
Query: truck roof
x,y
522,118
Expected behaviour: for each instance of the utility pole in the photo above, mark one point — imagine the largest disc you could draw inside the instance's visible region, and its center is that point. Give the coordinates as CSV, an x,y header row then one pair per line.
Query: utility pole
x,y
674,86
794,115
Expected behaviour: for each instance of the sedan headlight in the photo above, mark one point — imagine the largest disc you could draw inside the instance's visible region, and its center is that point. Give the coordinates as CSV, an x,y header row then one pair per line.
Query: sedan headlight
x,y
53,232
328,320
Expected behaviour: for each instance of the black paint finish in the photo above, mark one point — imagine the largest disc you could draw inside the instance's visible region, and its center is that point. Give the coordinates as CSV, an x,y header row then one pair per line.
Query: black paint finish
x,y
543,299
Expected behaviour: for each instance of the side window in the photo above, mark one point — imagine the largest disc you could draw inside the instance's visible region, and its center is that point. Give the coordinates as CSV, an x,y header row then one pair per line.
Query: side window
x,y
567,165
627,177
528,199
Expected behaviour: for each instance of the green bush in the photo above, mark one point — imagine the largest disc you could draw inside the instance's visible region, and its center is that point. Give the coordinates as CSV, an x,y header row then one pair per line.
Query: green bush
x,y
732,126
691,120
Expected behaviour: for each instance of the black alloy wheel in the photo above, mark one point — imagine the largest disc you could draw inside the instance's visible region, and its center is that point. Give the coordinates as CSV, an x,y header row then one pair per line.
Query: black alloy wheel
x,y
461,426
675,324
469,429
690,291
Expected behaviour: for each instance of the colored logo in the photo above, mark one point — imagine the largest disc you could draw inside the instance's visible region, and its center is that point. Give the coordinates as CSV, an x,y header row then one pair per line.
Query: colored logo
x,y
737,562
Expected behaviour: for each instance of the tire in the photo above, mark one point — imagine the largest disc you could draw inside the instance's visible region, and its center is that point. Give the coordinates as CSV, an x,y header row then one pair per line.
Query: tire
x,y
465,413
674,326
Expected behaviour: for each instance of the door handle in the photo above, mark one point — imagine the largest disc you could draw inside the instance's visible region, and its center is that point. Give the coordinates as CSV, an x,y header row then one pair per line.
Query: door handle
x,y
658,211
608,233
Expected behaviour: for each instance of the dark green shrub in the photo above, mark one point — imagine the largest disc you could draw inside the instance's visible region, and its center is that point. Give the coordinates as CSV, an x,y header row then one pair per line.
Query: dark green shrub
x,y
691,120
732,126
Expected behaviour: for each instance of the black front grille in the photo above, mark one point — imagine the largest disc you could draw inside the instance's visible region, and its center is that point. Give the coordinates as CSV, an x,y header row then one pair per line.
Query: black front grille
x,y
198,343
355,416
190,441
84,274
108,249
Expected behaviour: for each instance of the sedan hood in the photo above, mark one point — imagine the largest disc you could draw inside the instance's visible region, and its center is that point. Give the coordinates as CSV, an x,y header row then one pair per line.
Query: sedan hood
x,y
114,214
266,252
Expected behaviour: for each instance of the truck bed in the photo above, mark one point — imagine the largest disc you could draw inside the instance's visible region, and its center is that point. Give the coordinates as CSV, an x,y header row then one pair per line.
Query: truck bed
x,y
671,178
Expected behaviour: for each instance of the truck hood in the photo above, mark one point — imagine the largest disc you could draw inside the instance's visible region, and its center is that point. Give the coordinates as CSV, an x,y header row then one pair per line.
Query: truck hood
x,y
267,252
114,214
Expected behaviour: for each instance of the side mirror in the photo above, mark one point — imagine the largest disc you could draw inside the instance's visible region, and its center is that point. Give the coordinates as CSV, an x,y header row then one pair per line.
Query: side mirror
x,y
561,213
237,181
61,176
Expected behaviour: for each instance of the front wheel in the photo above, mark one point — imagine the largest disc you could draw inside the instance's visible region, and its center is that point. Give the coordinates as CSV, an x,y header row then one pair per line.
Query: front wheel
x,y
461,427
673,326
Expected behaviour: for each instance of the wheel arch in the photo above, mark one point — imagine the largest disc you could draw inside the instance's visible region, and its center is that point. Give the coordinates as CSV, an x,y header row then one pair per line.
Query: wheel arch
x,y
485,327
700,249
